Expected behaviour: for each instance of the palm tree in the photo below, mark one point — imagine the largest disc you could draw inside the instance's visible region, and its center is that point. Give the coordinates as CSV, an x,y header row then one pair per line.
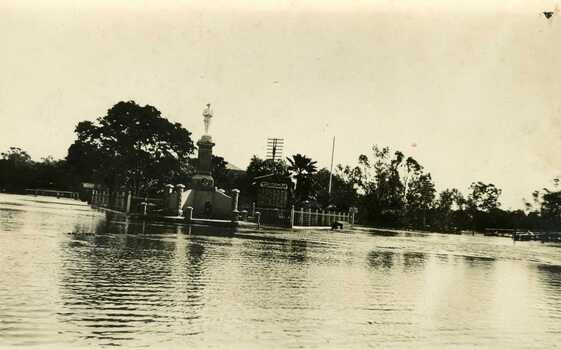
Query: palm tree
x,y
302,168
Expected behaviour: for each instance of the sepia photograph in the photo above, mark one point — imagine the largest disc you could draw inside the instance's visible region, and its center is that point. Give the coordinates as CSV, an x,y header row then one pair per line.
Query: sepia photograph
x,y
280,174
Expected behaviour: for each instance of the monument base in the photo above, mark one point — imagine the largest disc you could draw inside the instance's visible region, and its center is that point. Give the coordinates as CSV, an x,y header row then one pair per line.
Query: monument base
x,y
208,204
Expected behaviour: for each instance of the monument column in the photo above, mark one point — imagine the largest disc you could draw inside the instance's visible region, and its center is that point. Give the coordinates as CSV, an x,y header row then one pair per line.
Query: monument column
x,y
203,179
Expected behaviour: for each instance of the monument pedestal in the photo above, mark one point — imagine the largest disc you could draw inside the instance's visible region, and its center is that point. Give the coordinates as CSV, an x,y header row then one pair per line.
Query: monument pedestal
x,y
203,180
203,198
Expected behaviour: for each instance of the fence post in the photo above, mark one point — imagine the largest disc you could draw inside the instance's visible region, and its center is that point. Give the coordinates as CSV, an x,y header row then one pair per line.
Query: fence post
x,y
301,216
316,221
118,201
189,214
179,190
129,199
258,219
235,215
253,209
309,216
235,199
291,215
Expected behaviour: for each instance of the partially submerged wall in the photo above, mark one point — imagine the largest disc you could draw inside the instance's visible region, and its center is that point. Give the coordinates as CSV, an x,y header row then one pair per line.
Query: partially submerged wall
x,y
207,204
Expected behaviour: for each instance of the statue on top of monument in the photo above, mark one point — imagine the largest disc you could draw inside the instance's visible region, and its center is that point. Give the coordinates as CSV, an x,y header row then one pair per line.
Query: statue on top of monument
x,y
207,115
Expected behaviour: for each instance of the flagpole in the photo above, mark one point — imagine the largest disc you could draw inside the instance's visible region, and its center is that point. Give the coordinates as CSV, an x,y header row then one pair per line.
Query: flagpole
x,y
331,169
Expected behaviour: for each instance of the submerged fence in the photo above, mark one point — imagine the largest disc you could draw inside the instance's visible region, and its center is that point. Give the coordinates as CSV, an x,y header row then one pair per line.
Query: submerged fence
x,y
125,201
52,193
309,217
301,217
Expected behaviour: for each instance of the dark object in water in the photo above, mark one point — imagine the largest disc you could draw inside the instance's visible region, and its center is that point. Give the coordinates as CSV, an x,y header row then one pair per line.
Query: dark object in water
x,y
548,14
337,225
537,236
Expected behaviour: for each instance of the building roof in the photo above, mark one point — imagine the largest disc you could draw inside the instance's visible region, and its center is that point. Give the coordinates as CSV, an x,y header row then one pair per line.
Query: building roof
x,y
232,167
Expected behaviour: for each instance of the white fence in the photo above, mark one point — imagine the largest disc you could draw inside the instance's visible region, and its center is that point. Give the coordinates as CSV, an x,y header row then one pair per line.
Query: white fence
x,y
302,217
309,217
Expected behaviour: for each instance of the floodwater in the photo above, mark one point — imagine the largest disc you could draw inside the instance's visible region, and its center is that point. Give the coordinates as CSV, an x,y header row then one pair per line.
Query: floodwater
x,y
70,276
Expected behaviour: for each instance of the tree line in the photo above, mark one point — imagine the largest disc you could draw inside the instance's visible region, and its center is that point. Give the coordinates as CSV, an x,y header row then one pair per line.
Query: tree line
x,y
135,148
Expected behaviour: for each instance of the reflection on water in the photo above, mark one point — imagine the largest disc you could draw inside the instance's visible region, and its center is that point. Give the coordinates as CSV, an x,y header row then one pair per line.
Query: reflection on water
x,y
379,259
73,276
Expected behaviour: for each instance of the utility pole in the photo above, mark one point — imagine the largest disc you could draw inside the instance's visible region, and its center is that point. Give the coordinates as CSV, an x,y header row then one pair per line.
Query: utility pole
x,y
274,148
331,169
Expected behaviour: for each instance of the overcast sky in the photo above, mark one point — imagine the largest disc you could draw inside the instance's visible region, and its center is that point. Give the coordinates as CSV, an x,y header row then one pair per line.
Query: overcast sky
x,y
471,91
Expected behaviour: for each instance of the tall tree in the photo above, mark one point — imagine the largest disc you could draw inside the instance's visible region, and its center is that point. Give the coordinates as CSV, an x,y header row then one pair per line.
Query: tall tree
x,y
132,146
420,198
16,155
483,205
343,193
302,169
484,197
546,207
16,170
379,184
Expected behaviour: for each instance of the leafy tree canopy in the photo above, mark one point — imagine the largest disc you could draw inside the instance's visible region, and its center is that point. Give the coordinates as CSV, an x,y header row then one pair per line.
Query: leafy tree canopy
x,y
302,169
16,155
484,197
131,146
343,194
